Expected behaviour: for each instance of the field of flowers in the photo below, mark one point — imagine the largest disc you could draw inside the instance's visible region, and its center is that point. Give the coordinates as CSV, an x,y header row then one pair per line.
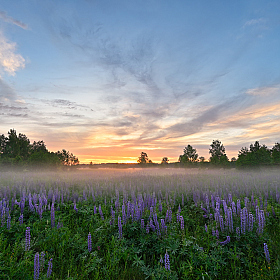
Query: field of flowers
x,y
140,224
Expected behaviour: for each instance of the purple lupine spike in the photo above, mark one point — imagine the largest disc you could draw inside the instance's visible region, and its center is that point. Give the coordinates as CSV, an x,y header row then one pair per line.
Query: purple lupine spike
x,y
182,222
206,229
182,200
9,222
100,212
167,261
221,223
233,207
163,226
123,214
217,233
89,243
178,217
49,272
160,207
243,222
238,232
120,226
238,206
36,266
94,209
266,252
230,220
147,228
251,222
142,223
20,219
226,241
179,209
27,239
75,207
52,216
170,215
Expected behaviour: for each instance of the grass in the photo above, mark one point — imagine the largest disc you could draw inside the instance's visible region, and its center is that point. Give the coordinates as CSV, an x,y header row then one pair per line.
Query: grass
x,y
194,253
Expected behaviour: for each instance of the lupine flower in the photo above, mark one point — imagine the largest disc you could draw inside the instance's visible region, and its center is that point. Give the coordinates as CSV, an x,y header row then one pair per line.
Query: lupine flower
x,y
75,207
36,266
206,229
238,232
94,209
27,239
9,222
52,216
120,226
100,212
226,241
147,228
89,242
142,223
166,261
161,260
49,272
182,222
221,223
266,252
163,226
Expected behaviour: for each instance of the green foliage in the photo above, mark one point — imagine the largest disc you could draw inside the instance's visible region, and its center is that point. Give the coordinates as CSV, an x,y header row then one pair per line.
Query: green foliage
x,y
218,155
256,156
16,150
190,155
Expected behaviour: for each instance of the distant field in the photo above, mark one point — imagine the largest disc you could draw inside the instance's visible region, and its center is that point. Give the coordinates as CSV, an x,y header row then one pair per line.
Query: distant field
x,y
140,224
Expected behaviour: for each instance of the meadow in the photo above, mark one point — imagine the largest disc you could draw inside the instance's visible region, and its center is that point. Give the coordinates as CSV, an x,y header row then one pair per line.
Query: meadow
x,y
140,224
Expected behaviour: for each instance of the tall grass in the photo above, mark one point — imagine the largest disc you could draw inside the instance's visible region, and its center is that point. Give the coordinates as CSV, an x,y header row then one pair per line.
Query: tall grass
x,y
140,224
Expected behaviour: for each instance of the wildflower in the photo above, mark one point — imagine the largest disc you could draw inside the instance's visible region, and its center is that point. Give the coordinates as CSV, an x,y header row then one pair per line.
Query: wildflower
x,y
142,223
27,239
49,272
206,229
266,252
36,266
238,232
52,216
226,241
120,226
89,242
166,261
9,222
182,222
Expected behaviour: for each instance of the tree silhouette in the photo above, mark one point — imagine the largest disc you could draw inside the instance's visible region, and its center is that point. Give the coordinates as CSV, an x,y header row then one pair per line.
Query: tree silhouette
x,y
190,155
218,155
143,158
164,160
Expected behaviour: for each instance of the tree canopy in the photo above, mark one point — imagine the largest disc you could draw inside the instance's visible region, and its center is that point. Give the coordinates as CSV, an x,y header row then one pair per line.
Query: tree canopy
x,y
16,150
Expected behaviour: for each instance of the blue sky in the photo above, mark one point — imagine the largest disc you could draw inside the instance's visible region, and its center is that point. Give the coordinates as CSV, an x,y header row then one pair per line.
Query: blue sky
x,y
109,79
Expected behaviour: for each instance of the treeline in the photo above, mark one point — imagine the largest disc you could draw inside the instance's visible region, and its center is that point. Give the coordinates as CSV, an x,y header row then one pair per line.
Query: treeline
x,y
16,150
255,156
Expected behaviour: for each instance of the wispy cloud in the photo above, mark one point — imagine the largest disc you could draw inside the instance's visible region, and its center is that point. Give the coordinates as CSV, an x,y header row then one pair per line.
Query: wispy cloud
x,y
264,91
10,61
257,21
9,19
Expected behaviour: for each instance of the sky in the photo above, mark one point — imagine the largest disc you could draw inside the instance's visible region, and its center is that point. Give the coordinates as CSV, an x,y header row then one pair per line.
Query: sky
x,y
107,80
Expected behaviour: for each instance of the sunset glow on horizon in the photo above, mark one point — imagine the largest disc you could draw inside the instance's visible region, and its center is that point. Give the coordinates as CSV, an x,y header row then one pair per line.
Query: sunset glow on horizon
x,y
108,80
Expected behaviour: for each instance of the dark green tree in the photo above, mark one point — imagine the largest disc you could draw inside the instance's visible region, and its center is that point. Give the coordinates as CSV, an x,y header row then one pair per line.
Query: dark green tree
x,y
190,155
143,158
164,160
67,158
275,154
218,155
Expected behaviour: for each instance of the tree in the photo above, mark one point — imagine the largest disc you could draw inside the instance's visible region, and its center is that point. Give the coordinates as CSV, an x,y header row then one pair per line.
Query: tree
x,y
218,155
255,156
67,158
275,153
201,159
190,155
143,158
164,160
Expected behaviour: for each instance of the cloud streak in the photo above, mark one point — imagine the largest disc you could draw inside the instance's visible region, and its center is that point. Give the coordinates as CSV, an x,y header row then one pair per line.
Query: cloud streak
x,y
9,19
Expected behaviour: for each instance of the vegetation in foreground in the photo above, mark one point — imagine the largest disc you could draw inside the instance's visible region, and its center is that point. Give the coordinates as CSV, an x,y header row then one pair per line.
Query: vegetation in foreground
x,y
150,224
